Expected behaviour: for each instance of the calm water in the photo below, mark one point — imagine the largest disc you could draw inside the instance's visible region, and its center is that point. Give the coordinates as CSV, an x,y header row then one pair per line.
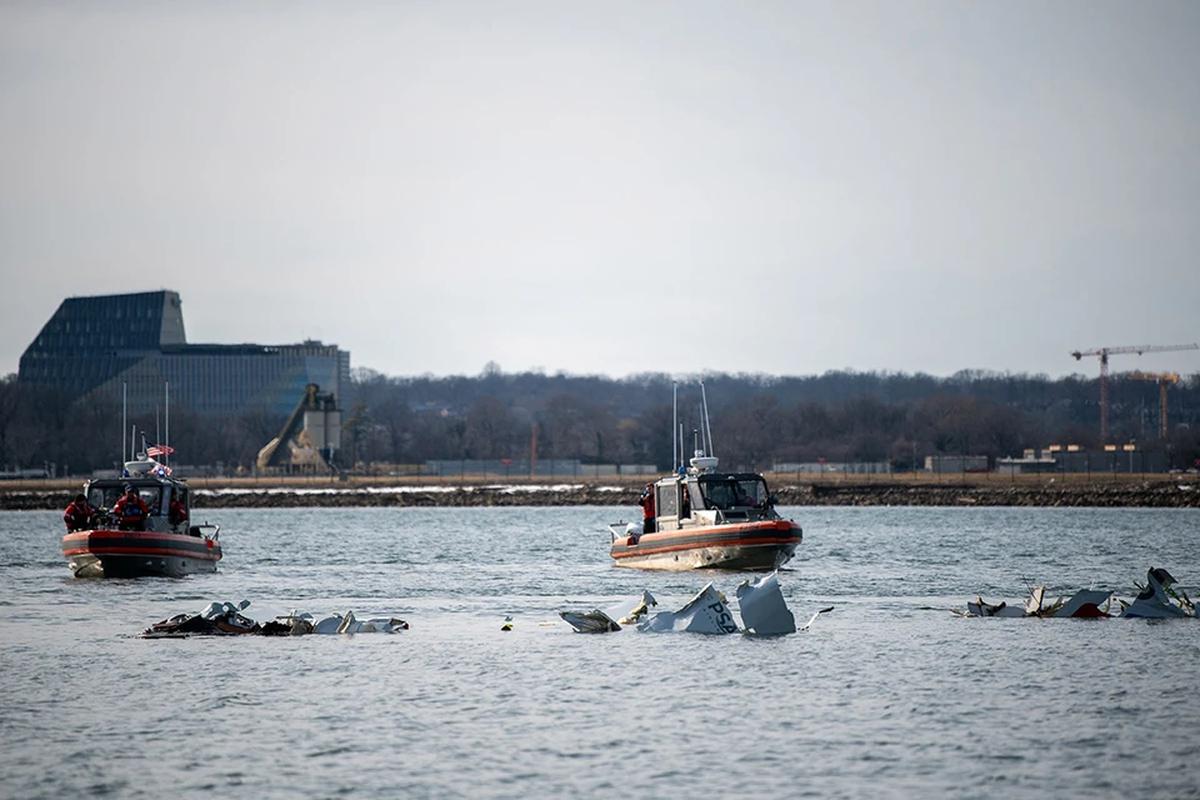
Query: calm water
x,y
890,695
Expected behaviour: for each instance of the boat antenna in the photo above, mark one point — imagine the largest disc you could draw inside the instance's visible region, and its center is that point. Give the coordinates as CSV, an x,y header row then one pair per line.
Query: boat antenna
x,y
707,423
133,443
674,423
167,411
124,419
681,461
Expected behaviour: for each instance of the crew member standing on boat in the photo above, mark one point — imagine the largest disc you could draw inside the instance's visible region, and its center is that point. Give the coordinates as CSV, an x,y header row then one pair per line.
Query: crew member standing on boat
x,y
178,513
131,511
78,515
646,501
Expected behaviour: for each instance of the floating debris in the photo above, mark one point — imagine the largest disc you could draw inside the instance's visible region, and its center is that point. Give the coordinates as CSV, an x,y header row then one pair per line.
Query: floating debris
x,y
226,619
763,610
508,623
704,613
610,619
595,621
350,624
981,608
813,618
1085,604
1157,600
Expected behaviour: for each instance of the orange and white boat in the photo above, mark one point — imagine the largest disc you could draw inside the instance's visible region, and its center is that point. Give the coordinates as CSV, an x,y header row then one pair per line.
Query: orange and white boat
x,y
705,519
162,545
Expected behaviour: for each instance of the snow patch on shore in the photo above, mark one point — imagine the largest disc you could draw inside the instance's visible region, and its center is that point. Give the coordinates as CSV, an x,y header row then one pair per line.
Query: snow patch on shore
x,y
498,488
336,491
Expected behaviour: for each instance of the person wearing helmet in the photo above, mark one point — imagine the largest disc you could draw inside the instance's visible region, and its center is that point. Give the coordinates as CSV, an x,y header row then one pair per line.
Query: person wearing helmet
x,y
131,510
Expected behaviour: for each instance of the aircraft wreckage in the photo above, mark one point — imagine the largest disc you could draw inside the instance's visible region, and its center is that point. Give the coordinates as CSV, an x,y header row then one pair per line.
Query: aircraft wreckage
x,y
1157,599
226,619
763,611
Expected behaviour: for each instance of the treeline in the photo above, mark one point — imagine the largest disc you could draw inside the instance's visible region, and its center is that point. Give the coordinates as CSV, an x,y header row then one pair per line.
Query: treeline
x,y
44,428
757,420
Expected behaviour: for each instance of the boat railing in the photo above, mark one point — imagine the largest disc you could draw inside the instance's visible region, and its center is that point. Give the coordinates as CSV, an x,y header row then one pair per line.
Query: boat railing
x,y
198,530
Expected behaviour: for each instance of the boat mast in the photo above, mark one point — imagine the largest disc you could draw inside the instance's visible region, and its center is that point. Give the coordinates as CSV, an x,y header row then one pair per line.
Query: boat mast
x,y
674,426
124,419
707,425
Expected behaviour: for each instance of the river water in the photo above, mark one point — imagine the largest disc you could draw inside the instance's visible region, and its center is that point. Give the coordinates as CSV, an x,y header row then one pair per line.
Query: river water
x,y
888,695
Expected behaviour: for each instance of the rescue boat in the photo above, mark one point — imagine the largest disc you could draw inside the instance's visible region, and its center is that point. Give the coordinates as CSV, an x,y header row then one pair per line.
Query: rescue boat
x,y
705,519
708,520
161,546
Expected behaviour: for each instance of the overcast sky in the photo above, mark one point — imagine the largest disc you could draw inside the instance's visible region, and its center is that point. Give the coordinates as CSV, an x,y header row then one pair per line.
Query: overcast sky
x,y
615,187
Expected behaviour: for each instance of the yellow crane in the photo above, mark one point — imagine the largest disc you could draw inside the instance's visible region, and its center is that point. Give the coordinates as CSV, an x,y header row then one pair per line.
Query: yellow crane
x,y
1104,353
1163,379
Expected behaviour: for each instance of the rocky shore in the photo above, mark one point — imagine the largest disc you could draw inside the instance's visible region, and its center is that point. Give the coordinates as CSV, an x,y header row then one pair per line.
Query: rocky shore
x,y
1174,494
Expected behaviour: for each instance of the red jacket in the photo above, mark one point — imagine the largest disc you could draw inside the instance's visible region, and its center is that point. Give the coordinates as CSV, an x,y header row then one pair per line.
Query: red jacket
x,y
131,509
646,501
77,516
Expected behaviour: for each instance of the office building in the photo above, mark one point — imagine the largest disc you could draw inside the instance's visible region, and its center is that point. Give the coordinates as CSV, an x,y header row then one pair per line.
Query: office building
x,y
95,346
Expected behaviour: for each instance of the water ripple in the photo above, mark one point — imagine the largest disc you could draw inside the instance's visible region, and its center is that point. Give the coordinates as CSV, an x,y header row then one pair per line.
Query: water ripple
x,y
890,695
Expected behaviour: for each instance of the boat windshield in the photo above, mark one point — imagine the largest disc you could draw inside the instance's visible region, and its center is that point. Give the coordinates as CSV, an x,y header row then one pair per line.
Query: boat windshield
x,y
727,492
107,496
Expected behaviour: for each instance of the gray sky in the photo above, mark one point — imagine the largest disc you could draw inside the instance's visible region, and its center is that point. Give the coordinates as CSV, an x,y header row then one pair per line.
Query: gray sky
x,y
618,187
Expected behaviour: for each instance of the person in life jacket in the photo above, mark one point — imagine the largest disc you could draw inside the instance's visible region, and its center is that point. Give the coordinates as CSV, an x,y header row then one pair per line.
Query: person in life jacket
x,y
646,501
131,511
178,514
78,515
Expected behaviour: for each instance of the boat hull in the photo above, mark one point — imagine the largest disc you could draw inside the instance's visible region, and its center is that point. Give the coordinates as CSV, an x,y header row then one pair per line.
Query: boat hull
x,y
133,554
752,546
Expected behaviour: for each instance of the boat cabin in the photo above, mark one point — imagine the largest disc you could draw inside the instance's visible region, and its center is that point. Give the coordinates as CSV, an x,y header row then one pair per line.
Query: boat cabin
x,y
157,491
711,498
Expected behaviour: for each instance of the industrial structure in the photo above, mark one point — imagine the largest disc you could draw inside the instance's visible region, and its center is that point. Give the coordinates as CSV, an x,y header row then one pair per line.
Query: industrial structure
x,y
96,346
311,437
1164,380
1104,352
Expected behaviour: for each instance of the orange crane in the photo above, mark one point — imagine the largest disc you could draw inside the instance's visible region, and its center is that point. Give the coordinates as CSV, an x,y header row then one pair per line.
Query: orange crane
x,y
1104,353
1163,379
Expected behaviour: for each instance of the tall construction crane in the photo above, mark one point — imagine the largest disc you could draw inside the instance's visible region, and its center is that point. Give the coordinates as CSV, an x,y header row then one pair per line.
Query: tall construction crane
x,y
1163,379
1105,352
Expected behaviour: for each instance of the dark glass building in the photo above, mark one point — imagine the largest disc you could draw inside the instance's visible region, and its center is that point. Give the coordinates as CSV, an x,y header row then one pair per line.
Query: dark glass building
x,y
95,345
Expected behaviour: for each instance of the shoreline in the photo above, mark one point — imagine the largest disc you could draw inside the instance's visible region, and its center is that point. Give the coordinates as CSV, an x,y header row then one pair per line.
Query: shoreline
x,y
1182,492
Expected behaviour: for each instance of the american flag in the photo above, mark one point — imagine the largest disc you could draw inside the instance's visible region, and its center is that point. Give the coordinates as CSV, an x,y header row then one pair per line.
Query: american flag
x,y
159,450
